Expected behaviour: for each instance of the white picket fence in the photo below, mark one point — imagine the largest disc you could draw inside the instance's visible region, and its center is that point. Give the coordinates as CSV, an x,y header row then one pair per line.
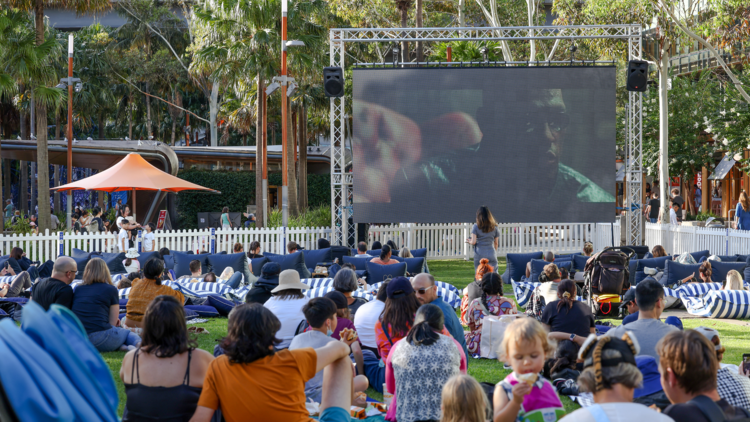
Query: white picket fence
x,y
443,241
49,246
680,239
446,241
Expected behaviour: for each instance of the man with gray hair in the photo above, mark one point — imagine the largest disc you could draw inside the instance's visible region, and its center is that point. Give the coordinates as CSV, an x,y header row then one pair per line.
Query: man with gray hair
x,y
426,291
56,289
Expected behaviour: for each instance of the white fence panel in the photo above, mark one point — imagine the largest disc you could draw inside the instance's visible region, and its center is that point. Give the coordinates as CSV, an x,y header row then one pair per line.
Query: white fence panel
x,y
681,239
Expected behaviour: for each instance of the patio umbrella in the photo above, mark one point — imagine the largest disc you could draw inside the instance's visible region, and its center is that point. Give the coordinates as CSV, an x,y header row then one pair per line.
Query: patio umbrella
x,y
131,174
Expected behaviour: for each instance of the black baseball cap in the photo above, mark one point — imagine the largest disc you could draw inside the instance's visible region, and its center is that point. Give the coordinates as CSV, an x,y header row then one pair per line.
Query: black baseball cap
x,y
628,297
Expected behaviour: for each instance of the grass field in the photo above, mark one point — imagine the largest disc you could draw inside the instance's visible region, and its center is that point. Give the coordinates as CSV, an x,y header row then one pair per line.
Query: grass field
x,y
460,274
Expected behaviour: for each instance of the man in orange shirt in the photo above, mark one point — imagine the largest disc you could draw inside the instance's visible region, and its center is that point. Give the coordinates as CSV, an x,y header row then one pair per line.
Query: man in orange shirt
x,y
275,380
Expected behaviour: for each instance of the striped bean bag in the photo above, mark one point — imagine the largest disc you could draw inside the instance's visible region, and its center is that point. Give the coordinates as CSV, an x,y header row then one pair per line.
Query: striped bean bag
x,y
323,290
523,290
726,304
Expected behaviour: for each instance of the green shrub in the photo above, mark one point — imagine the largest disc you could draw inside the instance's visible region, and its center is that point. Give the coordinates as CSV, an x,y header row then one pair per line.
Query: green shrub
x,y
312,217
237,191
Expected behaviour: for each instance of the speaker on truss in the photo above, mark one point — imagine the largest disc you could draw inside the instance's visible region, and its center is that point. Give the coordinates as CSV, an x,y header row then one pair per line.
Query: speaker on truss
x,y
333,81
637,76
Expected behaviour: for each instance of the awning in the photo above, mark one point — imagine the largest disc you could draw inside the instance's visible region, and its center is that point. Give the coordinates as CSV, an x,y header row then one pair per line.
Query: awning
x,y
722,169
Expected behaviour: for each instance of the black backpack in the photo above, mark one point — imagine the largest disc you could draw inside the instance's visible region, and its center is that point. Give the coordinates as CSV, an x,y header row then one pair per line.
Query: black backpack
x,y
608,272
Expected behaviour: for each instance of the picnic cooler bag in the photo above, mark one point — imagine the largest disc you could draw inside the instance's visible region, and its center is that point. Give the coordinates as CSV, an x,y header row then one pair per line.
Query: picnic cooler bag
x,y
493,330
606,306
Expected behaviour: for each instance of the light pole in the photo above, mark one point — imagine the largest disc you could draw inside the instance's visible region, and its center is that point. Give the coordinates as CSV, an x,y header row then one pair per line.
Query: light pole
x,y
68,82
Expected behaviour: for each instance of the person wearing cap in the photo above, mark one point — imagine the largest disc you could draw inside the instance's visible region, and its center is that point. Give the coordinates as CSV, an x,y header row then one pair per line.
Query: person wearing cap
x,y
131,264
689,367
611,374
649,295
320,313
250,219
426,290
732,387
287,303
628,302
269,280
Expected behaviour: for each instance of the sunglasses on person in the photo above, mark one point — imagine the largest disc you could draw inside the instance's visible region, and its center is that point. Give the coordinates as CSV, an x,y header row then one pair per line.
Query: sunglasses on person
x,y
424,290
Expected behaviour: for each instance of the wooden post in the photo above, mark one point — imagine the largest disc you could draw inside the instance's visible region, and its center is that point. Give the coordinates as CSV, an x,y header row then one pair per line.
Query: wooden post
x,y
23,196
705,191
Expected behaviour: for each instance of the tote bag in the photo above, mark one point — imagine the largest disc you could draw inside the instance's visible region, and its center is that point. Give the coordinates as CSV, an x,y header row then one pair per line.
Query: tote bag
x,y
493,330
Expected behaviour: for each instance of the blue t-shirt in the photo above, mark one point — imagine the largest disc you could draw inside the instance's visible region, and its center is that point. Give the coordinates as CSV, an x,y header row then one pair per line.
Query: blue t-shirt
x,y
91,305
630,318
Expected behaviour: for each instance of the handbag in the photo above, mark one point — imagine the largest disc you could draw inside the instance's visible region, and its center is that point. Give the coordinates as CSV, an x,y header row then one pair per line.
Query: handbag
x,y
493,330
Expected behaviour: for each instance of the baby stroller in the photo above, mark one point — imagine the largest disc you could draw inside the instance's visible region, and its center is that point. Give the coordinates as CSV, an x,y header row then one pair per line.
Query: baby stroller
x,y
606,278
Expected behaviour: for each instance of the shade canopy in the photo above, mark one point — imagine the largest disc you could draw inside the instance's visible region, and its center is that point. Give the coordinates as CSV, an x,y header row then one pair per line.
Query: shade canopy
x,y
132,173
722,169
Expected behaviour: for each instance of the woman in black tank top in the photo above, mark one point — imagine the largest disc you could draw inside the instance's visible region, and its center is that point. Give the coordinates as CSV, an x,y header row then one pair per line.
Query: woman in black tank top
x,y
164,337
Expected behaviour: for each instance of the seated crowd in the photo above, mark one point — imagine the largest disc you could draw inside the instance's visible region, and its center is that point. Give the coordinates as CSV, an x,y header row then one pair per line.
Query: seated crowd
x,y
283,349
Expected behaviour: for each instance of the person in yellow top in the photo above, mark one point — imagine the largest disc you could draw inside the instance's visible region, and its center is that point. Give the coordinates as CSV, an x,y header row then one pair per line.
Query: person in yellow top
x,y
144,290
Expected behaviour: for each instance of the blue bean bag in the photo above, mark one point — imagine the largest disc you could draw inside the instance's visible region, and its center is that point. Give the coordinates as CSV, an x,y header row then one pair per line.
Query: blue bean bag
x,y
414,265
377,272
674,272
62,336
314,256
236,261
190,314
294,261
114,261
144,257
257,265
419,253
639,265
168,262
579,262
697,255
182,263
720,269
203,311
359,263
516,268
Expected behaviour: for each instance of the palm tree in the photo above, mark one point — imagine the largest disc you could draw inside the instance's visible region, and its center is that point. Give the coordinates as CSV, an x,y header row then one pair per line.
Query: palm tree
x,y
43,96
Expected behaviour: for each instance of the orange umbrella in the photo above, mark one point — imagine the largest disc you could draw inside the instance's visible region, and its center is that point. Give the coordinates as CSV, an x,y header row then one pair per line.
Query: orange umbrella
x,y
132,173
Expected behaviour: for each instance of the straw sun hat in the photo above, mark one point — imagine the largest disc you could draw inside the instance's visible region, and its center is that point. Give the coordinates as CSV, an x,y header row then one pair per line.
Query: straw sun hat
x,y
289,280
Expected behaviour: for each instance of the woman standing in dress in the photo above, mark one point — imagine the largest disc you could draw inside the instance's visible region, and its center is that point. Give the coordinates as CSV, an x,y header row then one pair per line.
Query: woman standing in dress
x,y
485,237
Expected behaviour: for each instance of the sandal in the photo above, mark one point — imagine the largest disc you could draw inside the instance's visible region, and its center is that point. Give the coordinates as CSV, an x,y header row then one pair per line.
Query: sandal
x,y
197,330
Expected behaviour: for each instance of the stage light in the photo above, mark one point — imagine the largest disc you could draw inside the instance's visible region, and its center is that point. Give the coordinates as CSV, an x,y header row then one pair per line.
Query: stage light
x,y
333,81
291,89
484,52
295,43
637,76
271,88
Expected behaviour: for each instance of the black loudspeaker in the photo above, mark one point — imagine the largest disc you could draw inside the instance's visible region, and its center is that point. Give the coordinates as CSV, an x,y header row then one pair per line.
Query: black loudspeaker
x,y
333,81
637,76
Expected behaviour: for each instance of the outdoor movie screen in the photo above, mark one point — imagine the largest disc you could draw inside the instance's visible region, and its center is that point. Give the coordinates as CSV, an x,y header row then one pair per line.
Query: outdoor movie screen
x,y
535,144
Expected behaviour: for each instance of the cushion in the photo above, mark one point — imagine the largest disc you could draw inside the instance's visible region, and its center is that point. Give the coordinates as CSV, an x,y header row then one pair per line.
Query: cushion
x,y
742,258
257,265
144,257
720,269
295,261
731,304
638,275
537,267
77,253
190,314
674,272
202,310
81,262
517,265
222,304
359,263
169,262
697,255
579,262
419,253
236,261
414,265
182,263
114,261
377,273
397,258
312,257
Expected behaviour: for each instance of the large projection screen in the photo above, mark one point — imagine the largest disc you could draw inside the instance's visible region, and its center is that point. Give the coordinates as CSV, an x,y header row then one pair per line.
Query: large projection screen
x,y
535,144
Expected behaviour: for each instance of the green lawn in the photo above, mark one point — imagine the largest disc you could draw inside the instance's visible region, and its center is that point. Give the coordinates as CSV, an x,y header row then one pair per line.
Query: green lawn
x,y
460,273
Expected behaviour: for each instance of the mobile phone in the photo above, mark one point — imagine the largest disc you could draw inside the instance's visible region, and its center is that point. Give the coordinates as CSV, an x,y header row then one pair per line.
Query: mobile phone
x,y
746,358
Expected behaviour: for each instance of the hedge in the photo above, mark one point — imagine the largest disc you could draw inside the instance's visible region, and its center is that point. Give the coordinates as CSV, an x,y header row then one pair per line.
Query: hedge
x,y
237,190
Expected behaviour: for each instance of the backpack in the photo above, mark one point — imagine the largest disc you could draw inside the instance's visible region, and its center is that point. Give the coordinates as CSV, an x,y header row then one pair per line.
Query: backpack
x,y
608,273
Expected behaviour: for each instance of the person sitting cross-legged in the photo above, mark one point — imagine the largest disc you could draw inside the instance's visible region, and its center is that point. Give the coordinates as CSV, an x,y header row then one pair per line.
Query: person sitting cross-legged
x,y
163,378
320,313
649,295
689,367
254,382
